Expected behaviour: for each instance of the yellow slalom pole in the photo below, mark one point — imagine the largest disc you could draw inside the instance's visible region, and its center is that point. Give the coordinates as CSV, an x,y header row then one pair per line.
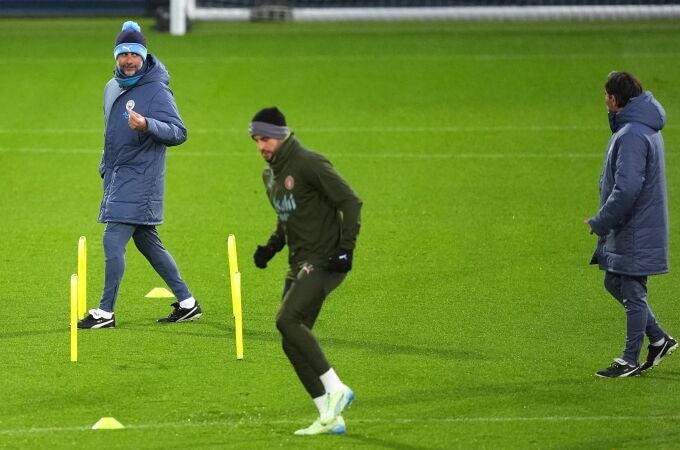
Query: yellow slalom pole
x,y
233,266
238,313
233,260
82,276
74,317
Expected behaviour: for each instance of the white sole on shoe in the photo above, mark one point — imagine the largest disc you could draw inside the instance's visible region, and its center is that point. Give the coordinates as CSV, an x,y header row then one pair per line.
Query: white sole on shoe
x,y
337,426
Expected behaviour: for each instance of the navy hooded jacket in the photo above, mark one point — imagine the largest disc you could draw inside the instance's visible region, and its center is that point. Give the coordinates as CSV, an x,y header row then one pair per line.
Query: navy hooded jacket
x,y
133,163
632,222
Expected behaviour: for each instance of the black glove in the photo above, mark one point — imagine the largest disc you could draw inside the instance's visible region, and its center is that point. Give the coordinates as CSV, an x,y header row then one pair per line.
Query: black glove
x,y
263,254
341,261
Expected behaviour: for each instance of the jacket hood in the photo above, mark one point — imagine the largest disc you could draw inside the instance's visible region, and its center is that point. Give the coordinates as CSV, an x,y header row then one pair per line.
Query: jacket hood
x,y
644,109
154,71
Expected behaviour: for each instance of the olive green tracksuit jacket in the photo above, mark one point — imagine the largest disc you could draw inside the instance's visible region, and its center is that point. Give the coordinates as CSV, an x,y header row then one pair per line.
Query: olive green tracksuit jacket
x,y
318,213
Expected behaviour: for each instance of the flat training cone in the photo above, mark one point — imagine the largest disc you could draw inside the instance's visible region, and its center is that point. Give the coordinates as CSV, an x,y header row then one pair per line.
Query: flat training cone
x,y
159,293
107,423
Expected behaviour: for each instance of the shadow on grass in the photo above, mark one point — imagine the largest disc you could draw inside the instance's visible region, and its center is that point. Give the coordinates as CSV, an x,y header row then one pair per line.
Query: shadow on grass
x,y
32,333
670,375
223,331
556,394
633,438
384,348
373,442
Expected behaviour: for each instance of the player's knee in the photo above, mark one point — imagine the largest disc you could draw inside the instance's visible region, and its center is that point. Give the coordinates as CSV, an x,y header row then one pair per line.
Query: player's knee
x,y
281,324
114,253
285,323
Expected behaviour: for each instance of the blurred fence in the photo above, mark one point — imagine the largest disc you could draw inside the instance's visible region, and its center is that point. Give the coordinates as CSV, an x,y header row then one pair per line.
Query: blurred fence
x,y
325,8
27,8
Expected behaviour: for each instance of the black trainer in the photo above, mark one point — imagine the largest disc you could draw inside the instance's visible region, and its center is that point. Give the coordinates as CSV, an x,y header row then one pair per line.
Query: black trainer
x,y
180,314
656,354
94,320
619,369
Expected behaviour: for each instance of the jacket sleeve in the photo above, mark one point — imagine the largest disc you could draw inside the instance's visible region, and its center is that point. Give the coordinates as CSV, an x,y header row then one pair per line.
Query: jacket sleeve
x,y
277,240
629,177
341,195
164,124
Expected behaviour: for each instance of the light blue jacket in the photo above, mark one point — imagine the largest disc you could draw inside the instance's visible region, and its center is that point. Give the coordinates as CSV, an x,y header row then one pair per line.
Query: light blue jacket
x,y
632,222
133,163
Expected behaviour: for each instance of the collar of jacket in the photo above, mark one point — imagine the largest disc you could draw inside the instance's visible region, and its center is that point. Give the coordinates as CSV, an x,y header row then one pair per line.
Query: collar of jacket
x,y
281,156
612,121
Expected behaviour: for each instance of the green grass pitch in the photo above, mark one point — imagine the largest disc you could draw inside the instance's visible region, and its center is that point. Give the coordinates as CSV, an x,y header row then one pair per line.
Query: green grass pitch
x,y
471,320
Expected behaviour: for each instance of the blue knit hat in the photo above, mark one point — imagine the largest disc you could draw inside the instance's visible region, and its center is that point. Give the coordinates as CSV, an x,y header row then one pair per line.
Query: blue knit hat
x,y
130,40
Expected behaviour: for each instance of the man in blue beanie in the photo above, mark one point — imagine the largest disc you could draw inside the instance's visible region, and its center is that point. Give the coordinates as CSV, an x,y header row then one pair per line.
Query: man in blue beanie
x,y
141,121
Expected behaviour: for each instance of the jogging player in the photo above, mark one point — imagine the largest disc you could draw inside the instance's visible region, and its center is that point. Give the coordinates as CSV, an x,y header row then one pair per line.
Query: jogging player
x,y
319,219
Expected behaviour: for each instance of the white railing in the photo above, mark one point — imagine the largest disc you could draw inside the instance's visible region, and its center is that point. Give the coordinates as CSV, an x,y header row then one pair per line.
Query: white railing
x,y
180,10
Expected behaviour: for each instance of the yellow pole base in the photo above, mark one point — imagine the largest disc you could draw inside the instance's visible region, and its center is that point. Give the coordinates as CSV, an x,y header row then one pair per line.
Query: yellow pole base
x,y
74,317
238,314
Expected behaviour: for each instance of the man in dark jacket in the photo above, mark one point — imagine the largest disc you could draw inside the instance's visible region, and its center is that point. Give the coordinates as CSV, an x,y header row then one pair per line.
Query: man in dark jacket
x,y
632,223
319,220
141,121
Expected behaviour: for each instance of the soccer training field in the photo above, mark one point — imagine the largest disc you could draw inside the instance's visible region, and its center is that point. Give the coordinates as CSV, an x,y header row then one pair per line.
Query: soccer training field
x,y
471,318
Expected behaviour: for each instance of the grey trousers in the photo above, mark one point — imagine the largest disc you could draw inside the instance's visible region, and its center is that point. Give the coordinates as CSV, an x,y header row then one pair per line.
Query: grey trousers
x,y
116,236
303,296
631,292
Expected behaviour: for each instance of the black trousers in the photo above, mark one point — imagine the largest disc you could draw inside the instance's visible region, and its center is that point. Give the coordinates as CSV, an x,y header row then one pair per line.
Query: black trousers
x,y
303,295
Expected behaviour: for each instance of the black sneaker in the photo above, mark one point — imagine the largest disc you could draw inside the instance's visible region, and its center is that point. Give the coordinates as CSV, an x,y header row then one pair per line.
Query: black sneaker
x,y
619,369
656,354
94,320
180,314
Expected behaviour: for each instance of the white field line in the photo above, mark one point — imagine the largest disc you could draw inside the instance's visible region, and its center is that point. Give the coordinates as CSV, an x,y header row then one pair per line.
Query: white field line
x,y
332,130
244,130
296,59
434,129
337,130
403,421
481,57
367,155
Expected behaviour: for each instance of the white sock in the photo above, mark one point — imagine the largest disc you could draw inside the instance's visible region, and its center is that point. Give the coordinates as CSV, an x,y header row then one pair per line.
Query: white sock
x,y
321,403
658,343
623,361
188,303
331,381
101,313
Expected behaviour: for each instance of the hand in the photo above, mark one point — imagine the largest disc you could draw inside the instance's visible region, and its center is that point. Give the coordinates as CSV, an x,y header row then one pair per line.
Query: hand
x,y
136,121
341,261
262,255
586,222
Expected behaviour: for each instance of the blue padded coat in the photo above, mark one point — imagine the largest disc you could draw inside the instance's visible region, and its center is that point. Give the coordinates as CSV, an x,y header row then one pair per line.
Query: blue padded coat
x,y
632,222
133,163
